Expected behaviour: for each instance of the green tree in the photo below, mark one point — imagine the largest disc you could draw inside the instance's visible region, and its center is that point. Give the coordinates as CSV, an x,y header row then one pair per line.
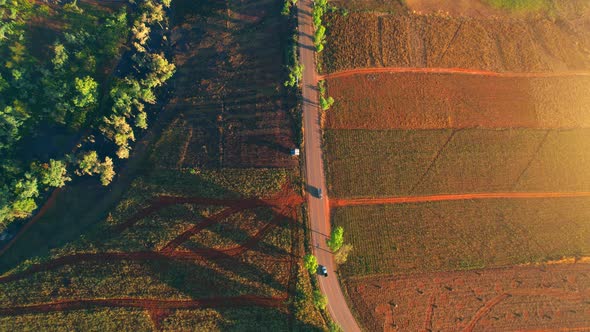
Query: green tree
x,y
320,301
118,130
336,239
88,163
295,75
54,174
86,91
141,120
107,171
311,263
60,55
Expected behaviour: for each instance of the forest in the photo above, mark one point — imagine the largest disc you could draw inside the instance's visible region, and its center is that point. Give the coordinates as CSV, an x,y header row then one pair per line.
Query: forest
x,y
75,83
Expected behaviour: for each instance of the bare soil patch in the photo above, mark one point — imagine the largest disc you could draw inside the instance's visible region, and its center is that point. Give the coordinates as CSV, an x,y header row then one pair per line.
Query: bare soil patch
x,y
438,101
531,44
517,298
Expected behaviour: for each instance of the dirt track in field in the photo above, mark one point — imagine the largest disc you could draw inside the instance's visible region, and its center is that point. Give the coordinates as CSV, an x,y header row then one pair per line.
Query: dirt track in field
x,y
546,297
459,71
147,304
338,202
284,204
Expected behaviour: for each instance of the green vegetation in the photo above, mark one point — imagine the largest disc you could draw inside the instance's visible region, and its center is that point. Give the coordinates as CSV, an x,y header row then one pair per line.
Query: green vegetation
x,y
52,91
463,235
521,5
325,102
295,75
426,162
320,301
287,6
319,38
311,263
336,239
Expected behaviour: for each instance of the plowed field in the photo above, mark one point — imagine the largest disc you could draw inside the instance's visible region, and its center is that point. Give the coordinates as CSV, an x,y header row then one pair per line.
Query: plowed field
x,y
406,39
551,297
438,101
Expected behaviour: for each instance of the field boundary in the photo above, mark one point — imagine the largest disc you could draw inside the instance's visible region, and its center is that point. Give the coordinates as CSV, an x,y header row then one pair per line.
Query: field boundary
x,y
340,202
147,304
459,71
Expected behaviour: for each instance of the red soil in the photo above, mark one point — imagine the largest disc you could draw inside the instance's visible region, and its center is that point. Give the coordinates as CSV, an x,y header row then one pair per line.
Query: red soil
x,y
338,202
515,298
461,71
147,304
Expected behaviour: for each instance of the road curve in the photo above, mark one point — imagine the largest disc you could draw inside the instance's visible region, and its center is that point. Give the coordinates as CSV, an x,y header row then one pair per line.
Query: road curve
x,y
453,197
318,209
460,71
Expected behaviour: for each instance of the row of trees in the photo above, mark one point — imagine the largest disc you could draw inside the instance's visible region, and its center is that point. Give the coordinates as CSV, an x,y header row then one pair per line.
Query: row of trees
x,y
62,85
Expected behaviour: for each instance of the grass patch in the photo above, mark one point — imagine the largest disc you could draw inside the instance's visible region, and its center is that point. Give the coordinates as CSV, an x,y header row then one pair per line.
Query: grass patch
x,y
521,5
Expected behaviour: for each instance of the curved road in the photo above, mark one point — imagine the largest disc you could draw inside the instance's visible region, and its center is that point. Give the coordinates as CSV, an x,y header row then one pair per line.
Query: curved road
x,y
319,210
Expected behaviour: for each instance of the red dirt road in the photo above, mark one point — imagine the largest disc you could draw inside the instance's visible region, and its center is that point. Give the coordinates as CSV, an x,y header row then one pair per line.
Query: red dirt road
x,y
147,304
338,202
460,71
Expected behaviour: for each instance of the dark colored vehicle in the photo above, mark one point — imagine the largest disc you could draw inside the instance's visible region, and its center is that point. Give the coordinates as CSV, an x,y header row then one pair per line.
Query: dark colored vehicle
x,y
323,270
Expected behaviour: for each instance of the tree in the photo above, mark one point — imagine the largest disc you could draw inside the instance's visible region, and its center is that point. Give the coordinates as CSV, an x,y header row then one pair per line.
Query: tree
x,y
88,163
141,120
320,301
342,254
60,57
106,171
336,239
295,75
54,174
311,263
87,91
118,130
160,70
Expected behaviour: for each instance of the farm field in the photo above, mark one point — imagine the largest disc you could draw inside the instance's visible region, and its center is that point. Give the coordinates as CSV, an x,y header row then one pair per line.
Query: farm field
x,y
202,230
547,297
455,160
440,101
411,238
558,41
425,162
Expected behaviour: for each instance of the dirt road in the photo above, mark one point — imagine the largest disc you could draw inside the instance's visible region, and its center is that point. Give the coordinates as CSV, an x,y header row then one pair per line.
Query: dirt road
x,y
319,210
453,197
461,71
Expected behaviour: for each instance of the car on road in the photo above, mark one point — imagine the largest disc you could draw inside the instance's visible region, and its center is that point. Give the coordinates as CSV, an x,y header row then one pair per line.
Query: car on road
x,y
323,270
320,193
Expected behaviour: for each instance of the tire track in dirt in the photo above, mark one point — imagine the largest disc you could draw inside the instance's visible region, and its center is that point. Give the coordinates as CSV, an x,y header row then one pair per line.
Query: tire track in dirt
x,y
184,236
339,202
570,296
459,71
147,304
169,253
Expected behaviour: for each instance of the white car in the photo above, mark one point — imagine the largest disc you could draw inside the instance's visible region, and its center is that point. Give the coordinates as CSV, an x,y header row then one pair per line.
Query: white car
x,y
323,270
